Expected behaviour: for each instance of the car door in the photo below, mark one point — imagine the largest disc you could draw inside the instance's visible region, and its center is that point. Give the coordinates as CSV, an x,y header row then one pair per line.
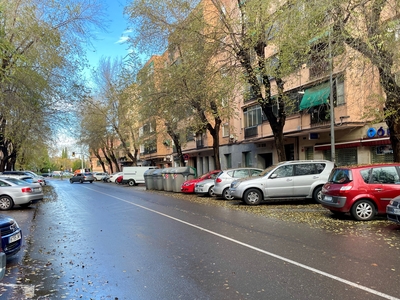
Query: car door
x,y
384,185
280,182
305,174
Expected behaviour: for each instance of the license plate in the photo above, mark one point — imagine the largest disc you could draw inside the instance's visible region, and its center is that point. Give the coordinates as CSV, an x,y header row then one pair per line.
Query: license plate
x,y
328,198
14,238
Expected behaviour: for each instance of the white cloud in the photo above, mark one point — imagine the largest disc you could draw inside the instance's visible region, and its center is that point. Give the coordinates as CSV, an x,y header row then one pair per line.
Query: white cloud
x,y
122,39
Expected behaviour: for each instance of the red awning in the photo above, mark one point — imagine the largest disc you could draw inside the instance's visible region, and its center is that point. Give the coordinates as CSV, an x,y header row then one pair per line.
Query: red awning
x,y
376,142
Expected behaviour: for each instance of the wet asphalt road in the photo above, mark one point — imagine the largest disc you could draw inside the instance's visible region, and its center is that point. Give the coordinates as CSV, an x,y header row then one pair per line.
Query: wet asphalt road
x,y
104,241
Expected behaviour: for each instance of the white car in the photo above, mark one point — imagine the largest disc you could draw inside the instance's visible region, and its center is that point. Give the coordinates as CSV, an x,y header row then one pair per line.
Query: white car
x,y
99,175
114,176
224,179
205,188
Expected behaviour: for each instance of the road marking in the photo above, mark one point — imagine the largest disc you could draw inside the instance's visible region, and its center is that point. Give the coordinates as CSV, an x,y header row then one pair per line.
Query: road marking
x,y
345,281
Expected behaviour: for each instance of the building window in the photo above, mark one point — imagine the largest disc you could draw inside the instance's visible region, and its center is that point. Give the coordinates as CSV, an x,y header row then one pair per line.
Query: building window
x,y
225,130
228,160
247,159
309,153
252,116
339,91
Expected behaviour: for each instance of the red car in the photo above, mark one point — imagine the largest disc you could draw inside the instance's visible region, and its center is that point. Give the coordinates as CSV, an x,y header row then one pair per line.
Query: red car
x,y
188,186
362,191
119,179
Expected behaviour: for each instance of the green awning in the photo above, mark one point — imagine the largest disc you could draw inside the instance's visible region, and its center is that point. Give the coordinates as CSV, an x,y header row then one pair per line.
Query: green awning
x,y
315,96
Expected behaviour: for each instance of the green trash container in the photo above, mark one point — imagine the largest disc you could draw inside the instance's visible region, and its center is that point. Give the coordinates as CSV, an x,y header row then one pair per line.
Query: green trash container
x,y
167,179
180,175
158,179
148,179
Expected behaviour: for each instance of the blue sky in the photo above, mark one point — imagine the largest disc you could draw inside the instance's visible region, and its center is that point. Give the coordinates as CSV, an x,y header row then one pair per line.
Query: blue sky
x,y
111,43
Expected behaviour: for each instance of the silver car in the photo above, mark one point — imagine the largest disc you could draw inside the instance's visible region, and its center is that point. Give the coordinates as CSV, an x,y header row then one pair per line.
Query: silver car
x,y
18,192
205,188
299,179
224,179
82,177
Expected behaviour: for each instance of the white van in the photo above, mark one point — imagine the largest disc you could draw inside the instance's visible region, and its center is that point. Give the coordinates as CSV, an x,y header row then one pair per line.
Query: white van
x,y
134,175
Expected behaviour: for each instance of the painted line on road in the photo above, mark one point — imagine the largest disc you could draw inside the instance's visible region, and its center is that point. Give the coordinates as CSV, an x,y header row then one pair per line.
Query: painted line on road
x,y
350,283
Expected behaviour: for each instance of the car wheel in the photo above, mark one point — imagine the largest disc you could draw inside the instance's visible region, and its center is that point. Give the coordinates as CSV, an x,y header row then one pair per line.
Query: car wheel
x,y
211,191
363,210
226,195
70,181
131,182
252,197
91,181
81,181
317,194
6,203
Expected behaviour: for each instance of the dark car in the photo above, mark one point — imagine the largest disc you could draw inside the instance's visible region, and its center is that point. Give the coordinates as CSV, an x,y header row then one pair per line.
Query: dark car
x,y
362,191
11,235
82,177
3,262
393,210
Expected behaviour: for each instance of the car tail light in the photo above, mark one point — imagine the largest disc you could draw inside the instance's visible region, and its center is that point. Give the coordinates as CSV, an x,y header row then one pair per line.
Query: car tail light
x,y
218,180
26,190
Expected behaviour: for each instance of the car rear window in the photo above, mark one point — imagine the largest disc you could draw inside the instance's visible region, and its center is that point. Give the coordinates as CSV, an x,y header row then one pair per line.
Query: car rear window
x,y
341,176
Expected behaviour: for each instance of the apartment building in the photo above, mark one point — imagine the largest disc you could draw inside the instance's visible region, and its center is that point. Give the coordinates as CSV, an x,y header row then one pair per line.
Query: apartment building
x,y
248,141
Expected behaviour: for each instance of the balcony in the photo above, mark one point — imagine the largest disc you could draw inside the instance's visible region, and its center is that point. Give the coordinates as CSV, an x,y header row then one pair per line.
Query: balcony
x,y
199,143
319,115
250,132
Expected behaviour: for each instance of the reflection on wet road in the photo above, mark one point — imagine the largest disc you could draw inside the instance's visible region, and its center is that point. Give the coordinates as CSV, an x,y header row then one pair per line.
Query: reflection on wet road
x,y
102,241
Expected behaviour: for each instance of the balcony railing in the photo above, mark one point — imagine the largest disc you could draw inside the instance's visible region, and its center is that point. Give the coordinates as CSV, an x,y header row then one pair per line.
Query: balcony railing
x,y
250,132
200,144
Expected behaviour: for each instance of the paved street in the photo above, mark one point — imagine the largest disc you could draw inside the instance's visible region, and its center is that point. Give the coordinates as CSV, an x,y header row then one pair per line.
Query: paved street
x,y
104,241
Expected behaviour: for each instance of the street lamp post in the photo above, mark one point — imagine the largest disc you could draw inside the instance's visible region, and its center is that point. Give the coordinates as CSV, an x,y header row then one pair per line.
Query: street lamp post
x,y
332,109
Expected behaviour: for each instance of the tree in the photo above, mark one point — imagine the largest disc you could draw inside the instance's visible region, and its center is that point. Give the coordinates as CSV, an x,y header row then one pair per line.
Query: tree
x,y
116,103
40,59
193,86
371,28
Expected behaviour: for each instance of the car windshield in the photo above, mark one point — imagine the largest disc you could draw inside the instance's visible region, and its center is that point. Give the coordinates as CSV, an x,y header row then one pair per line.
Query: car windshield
x,y
266,171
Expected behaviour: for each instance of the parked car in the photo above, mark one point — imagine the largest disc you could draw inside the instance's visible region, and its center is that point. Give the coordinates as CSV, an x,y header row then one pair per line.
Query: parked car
x,y
119,180
362,191
114,176
189,185
393,210
297,179
18,192
82,177
28,179
99,175
38,178
3,262
225,178
11,235
205,187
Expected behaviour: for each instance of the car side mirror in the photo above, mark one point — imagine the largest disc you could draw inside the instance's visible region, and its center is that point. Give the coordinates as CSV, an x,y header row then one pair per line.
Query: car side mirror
x,y
273,176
